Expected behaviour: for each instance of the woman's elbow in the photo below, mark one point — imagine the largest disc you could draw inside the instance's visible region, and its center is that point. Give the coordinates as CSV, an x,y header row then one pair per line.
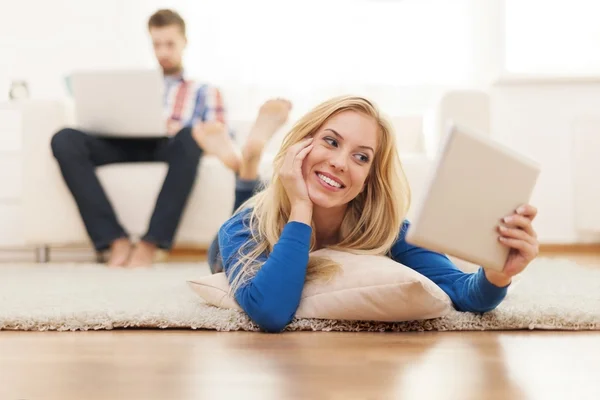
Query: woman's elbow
x,y
270,321
272,324
269,316
475,308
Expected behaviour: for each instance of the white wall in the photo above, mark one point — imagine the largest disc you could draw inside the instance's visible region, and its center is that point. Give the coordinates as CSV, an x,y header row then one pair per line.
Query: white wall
x,y
330,42
537,118
329,47
549,77
42,41
314,42
558,37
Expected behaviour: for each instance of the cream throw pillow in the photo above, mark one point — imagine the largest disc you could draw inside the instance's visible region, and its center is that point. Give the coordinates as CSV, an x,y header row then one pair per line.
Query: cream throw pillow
x,y
369,288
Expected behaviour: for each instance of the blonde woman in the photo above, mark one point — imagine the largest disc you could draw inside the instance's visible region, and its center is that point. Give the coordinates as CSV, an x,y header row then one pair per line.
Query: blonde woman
x,y
338,183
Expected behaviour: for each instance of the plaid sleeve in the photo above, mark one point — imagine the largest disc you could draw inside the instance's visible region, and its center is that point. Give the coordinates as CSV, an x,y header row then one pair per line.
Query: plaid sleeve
x,y
209,105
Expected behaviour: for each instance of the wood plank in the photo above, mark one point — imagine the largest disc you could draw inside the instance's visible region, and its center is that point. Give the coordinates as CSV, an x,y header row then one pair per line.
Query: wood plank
x,y
570,248
303,365
546,250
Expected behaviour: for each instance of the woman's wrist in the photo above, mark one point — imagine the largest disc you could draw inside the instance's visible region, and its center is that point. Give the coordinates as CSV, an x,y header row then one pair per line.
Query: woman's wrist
x,y
301,212
497,278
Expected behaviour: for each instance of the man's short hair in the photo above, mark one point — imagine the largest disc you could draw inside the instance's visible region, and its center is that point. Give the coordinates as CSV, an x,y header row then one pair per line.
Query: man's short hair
x,y
165,17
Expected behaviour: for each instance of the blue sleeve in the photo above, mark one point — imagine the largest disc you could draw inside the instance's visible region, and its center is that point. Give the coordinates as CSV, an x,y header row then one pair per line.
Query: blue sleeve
x,y
470,292
272,296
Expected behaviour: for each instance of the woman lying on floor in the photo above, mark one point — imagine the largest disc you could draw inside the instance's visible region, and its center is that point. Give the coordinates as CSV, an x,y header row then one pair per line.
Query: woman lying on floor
x,y
338,183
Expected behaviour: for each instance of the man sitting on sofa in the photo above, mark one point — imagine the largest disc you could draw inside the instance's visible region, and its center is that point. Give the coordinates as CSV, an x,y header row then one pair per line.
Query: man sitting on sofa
x,y
192,106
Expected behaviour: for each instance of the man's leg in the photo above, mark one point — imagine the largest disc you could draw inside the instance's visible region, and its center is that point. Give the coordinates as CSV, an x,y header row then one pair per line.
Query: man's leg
x,y
244,190
182,153
272,115
78,154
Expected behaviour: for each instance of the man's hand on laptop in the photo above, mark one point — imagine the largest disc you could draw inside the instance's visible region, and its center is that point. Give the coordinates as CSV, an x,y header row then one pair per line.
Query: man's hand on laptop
x,y
173,127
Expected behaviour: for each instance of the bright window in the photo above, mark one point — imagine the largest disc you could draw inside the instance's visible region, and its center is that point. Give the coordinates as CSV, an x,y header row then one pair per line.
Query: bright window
x,y
552,37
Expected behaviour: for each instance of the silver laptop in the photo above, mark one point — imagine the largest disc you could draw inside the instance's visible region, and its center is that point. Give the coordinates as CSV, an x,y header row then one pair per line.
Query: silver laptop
x,y
125,103
476,182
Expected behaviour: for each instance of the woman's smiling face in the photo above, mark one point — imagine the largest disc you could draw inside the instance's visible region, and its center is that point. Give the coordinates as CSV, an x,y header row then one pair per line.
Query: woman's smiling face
x,y
337,167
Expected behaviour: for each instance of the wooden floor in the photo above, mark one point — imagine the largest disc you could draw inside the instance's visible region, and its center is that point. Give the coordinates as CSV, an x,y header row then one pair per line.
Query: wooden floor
x,y
138,364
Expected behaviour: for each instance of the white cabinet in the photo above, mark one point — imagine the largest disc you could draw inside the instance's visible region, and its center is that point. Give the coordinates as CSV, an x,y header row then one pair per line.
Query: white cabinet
x,y
13,246
585,166
11,233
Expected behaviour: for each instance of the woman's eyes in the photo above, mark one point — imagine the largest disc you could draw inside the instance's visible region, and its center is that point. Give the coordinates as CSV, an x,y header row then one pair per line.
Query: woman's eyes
x,y
333,142
363,158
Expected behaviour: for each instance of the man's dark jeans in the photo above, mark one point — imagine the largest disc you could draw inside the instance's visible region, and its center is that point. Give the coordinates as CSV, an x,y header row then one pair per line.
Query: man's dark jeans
x,y
78,154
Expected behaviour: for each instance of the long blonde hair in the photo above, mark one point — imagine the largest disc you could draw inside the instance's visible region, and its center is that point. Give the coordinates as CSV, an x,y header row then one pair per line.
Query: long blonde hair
x,y
373,219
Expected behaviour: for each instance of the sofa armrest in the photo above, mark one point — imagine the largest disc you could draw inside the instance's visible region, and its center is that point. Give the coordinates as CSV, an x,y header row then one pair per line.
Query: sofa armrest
x,y
41,120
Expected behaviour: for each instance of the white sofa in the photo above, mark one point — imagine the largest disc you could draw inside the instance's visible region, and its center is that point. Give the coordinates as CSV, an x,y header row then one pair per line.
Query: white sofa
x,y
51,218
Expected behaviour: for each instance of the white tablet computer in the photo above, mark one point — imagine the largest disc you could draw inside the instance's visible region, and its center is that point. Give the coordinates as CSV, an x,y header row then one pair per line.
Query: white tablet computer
x,y
475,183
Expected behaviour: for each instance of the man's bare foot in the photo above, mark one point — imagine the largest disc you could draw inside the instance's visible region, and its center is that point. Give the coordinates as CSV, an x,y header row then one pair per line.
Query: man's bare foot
x,y
213,138
119,252
271,116
143,255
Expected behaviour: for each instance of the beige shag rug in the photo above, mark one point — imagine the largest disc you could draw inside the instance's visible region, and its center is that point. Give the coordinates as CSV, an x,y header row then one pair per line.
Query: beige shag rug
x,y
550,294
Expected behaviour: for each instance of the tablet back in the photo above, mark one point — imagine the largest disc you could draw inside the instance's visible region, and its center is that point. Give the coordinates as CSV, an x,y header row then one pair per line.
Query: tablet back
x,y
475,183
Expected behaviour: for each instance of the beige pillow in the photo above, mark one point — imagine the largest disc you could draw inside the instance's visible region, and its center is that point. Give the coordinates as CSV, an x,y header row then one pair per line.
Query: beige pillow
x,y
369,288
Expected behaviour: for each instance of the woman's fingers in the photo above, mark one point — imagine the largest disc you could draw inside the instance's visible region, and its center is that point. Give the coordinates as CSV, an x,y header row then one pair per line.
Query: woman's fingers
x,y
293,152
527,250
302,154
527,210
519,221
516,233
